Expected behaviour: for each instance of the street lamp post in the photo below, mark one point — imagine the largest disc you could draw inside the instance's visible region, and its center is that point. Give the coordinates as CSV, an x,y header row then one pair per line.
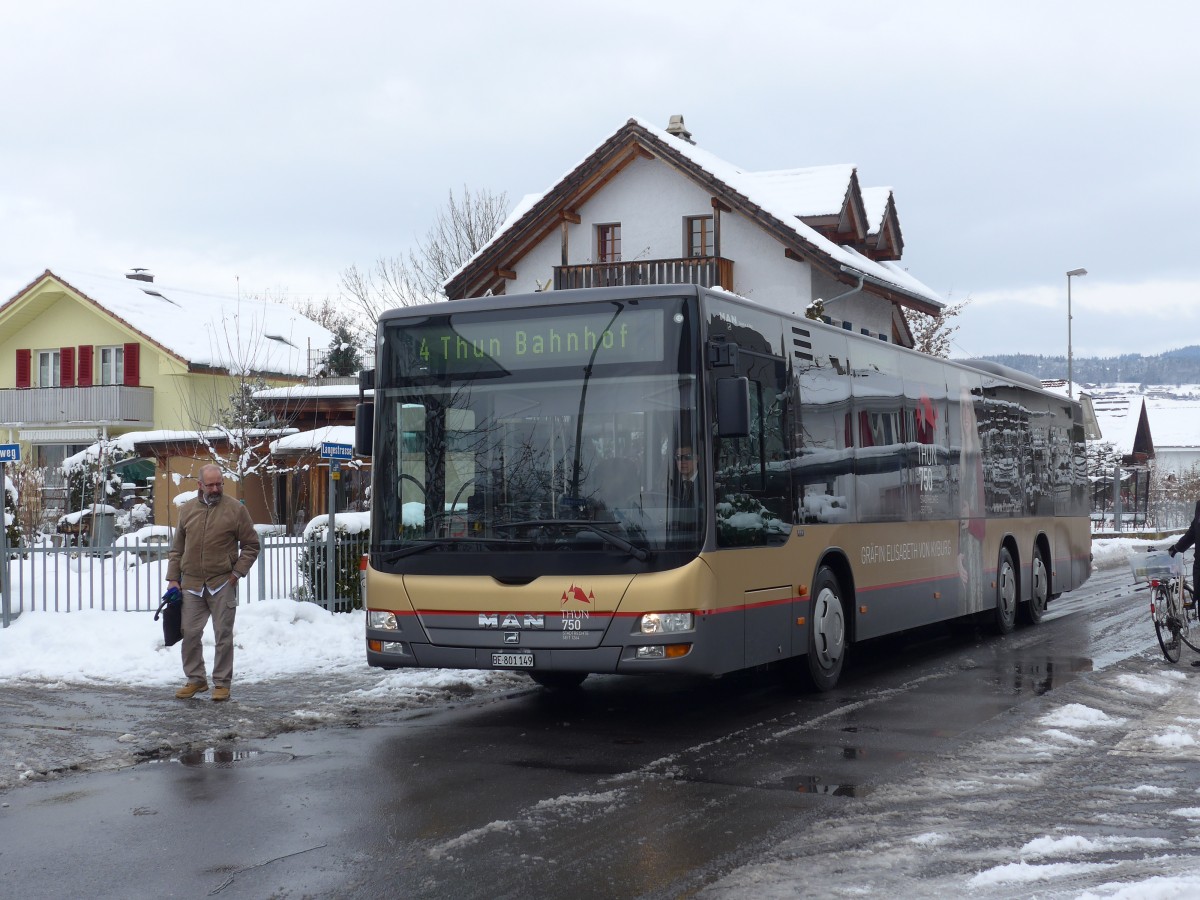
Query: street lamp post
x,y
1070,374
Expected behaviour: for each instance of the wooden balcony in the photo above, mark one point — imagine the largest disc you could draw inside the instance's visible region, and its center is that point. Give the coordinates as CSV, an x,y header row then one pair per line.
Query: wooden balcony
x,y
707,271
104,404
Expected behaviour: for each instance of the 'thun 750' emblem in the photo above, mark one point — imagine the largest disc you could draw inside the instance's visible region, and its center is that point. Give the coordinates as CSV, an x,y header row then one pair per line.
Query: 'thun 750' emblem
x,y
574,592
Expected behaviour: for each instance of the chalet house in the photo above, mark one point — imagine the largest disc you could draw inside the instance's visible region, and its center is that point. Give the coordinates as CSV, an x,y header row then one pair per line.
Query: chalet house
x,y
650,207
320,413
85,356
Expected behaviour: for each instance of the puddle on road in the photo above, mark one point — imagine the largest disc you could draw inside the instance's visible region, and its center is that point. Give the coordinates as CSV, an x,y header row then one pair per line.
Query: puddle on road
x,y
1040,675
227,757
814,784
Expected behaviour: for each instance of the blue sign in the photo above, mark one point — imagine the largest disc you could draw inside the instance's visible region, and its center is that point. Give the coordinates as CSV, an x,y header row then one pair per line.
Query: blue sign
x,y
337,451
10,453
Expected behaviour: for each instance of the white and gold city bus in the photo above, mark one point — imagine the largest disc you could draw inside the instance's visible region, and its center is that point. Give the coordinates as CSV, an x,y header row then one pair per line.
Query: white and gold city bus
x,y
528,510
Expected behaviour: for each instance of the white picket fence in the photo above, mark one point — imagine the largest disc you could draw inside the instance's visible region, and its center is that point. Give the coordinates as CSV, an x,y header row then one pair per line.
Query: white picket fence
x,y
132,579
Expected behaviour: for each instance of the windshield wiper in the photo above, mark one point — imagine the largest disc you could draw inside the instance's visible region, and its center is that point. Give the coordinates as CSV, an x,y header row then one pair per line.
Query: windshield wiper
x,y
638,553
444,543
587,525
393,555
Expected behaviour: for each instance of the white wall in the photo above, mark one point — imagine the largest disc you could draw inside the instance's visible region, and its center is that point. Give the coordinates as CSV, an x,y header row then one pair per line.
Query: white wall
x,y
1176,459
650,200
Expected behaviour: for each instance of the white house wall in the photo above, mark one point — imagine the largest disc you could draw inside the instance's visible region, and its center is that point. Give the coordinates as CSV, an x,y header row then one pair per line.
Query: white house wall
x,y
1177,460
650,201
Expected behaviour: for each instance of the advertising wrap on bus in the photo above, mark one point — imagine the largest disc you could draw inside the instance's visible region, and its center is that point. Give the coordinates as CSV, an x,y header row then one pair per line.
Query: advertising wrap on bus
x,y
673,479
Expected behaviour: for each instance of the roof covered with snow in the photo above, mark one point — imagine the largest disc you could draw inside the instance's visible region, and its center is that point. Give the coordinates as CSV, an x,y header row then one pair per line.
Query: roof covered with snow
x,y
238,335
784,196
1172,412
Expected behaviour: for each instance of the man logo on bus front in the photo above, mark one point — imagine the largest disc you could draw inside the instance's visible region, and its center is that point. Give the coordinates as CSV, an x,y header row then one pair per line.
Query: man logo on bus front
x,y
576,593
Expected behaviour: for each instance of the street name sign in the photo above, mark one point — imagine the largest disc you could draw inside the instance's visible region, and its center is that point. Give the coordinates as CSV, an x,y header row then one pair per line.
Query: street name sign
x,y
337,451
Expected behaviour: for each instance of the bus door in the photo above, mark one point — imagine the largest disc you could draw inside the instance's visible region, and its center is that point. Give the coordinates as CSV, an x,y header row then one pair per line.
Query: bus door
x,y
753,504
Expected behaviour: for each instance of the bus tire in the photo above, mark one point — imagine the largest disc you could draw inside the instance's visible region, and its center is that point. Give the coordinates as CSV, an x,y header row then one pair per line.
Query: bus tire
x,y
559,681
1039,591
1005,618
822,665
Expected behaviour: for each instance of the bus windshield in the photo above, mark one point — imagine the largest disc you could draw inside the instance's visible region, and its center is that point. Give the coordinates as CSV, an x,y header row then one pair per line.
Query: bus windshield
x,y
566,429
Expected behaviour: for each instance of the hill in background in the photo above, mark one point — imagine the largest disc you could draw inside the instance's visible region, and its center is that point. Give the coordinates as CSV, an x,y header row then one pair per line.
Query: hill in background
x,y
1180,366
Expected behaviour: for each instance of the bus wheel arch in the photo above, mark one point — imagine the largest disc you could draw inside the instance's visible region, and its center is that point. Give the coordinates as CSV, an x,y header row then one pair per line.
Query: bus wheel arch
x,y
1008,589
829,628
1033,609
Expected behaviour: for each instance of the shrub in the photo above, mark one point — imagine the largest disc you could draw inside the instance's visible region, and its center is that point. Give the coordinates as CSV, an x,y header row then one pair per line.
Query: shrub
x,y
348,550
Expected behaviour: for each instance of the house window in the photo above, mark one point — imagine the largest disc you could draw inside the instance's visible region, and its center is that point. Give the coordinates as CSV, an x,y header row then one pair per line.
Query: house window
x,y
112,365
698,236
608,243
49,368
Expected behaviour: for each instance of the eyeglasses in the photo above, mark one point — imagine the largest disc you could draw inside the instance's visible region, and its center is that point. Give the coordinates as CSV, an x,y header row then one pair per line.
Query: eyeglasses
x,y
683,457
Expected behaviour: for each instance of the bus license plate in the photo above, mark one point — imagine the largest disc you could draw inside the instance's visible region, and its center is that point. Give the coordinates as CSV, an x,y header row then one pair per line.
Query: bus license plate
x,y
512,660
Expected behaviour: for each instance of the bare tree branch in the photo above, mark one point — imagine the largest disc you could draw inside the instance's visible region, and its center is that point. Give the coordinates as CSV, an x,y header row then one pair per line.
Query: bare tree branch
x,y
933,334
462,228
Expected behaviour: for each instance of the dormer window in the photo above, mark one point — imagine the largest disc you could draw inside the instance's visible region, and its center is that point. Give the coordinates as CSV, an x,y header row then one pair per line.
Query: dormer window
x,y
608,243
698,236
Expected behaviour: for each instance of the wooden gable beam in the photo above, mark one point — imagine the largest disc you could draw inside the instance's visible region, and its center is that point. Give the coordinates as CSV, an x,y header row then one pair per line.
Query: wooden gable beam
x,y
577,196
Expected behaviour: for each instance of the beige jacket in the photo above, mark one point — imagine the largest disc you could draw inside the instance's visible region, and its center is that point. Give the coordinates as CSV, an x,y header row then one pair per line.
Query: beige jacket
x,y
210,543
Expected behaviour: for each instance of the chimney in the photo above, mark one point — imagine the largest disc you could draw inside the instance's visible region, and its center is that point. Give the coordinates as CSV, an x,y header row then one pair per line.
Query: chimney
x,y
140,275
679,130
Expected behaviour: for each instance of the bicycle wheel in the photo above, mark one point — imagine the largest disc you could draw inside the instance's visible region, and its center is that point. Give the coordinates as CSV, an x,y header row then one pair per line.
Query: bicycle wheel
x,y
1167,625
1189,631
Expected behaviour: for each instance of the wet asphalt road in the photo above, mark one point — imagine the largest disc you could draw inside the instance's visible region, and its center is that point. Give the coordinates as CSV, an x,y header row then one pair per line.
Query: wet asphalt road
x,y
630,787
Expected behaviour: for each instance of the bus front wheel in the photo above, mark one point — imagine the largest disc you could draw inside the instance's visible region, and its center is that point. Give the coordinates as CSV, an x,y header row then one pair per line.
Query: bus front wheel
x,y
826,633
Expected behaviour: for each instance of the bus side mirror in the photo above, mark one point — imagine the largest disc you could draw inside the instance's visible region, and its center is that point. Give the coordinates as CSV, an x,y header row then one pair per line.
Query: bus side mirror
x,y
364,428
733,407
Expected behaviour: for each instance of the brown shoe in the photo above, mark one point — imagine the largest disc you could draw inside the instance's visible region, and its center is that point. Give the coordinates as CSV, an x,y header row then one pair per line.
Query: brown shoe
x,y
220,693
191,689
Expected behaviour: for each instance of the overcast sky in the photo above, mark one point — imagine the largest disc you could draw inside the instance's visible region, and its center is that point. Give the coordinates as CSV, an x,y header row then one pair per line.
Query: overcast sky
x,y
265,147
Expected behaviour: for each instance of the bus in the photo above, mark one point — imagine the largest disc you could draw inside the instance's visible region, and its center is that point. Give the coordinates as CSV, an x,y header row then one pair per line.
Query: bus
x,y
529,510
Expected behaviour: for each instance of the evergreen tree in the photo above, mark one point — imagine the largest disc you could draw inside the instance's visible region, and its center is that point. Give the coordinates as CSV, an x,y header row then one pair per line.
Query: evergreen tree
x,y
343,358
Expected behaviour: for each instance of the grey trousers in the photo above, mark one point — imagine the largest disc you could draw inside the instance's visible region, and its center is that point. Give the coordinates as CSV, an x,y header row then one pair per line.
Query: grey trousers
x,y
222,608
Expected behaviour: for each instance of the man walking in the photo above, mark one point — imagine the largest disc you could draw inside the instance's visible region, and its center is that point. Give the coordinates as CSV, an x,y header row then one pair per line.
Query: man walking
x,y
215,545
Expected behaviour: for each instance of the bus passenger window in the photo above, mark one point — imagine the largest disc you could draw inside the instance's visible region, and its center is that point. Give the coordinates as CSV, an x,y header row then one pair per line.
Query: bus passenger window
x,y
753,491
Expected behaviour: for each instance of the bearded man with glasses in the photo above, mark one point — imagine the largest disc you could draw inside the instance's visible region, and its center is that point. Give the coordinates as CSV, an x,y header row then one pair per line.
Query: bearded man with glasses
x,y
215,545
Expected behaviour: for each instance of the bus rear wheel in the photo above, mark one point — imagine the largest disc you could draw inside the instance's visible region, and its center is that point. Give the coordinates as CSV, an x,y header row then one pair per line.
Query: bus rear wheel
x,y
1005,618
1039,591
822,665
559,681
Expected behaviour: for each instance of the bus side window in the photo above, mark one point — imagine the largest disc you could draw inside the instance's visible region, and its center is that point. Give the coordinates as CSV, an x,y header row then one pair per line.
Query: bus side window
x,y
753,490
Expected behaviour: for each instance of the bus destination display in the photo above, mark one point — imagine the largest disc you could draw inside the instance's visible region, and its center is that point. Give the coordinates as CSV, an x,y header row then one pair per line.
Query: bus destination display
x,y
458,345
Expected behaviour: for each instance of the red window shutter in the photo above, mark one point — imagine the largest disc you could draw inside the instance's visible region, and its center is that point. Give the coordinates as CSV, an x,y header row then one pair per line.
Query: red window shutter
x,y
24,358
133,368
66,367
83,377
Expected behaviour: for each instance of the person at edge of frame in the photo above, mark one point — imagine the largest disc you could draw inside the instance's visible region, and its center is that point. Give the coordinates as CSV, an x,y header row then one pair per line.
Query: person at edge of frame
x,y
214,547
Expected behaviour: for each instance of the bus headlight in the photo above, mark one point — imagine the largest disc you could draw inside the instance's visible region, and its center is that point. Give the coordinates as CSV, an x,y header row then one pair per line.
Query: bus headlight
x,y
669,651
382,618
666,623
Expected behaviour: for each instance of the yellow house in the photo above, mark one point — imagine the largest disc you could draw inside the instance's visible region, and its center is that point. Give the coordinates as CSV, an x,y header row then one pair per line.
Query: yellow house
x,y
84,357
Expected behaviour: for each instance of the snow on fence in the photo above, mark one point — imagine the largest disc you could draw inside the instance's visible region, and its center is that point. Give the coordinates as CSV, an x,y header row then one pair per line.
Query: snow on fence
x,y
133,578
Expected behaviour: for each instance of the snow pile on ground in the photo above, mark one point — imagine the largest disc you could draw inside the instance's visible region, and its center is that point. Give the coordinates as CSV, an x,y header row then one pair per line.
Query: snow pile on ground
x,y
272,639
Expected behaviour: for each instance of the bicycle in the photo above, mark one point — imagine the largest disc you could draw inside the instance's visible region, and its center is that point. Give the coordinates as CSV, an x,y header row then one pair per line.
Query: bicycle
x,y
1172,603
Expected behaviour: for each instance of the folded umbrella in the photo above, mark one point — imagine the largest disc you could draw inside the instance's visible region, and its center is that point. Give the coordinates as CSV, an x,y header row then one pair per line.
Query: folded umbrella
x,y
171,609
